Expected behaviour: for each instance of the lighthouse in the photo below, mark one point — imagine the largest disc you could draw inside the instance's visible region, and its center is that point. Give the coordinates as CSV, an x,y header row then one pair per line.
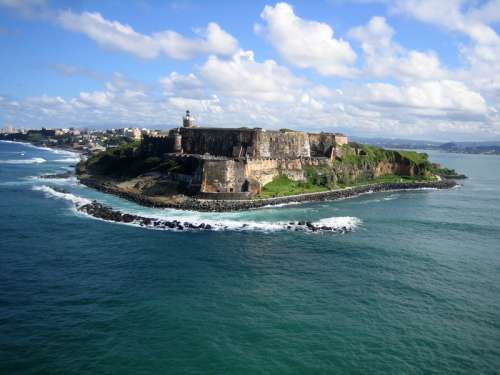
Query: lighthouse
x,y
188,120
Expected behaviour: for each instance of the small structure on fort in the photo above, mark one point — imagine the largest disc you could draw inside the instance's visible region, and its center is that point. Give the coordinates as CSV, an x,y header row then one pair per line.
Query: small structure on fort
x,y
235,163
188,120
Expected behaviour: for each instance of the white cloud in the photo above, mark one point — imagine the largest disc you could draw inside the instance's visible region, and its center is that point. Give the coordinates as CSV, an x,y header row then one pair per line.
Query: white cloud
x,y
243,77
118,36
472,22
445,96
383,57
187,86
234,88
472,19
96,98
305,43
197,105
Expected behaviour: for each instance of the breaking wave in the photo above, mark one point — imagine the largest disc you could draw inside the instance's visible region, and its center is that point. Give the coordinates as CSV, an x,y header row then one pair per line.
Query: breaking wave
x,y
192,220
50,192
24,161
53,150
68,160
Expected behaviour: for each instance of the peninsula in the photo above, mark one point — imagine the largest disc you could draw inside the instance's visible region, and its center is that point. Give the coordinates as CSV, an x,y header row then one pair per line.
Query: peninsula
x,y
224,169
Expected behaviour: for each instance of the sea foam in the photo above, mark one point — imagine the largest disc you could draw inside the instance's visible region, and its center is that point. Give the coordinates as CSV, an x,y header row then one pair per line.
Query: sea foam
x,y
50,192
345,223
53,150
24,161
67,160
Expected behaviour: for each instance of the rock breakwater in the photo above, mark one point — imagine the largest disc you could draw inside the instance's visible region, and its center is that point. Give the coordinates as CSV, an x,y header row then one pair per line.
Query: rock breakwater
x,y
107,213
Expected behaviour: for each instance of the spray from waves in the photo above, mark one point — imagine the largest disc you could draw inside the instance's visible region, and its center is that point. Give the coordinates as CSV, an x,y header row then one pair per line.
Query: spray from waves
x,y
53,150
51,192
55,178
67,160
194,222
24,161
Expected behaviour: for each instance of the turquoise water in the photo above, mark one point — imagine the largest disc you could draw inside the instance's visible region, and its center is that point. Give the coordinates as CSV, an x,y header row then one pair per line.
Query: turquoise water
x,y
414,289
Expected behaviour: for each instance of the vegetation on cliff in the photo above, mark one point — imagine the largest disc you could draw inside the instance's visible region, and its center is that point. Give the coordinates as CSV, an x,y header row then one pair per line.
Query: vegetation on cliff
x,y
127,161
355,165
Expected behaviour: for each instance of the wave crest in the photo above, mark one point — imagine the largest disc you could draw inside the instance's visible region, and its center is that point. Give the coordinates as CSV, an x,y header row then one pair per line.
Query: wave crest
x,y
24,161
337,224
67,160
50,192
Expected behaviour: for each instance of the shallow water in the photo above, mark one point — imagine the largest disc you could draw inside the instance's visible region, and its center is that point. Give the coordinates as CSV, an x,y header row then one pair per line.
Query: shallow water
x,y
413,289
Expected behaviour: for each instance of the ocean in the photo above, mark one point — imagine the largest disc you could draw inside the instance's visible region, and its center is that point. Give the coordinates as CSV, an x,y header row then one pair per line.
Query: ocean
x,y
412,289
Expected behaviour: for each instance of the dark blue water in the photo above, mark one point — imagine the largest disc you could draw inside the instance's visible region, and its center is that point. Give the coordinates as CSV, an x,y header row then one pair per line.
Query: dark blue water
x,y
414,289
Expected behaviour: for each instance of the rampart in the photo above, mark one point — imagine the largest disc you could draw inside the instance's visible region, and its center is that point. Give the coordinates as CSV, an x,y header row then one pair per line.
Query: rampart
x,y
240,161
244,142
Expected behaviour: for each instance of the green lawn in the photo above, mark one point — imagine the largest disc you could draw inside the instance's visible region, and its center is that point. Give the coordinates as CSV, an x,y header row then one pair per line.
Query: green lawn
x,y
283,186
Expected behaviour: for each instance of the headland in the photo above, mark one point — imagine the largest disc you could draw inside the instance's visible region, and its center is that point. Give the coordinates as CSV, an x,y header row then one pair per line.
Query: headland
x,y
227,169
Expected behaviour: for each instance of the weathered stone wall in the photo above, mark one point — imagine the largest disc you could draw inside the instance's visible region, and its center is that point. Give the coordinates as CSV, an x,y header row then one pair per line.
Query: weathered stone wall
x,y
326,144
224,176
245,142
287,145
234,143
156,146
218,141
265,170
251,174
322,144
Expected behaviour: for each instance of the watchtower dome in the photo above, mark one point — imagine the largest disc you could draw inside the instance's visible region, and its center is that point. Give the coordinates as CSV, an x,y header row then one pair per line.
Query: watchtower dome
x,y
188,120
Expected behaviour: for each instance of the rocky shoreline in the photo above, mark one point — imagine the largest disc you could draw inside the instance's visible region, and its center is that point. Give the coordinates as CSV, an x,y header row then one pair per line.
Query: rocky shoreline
x,y
206,205
52,176
100,211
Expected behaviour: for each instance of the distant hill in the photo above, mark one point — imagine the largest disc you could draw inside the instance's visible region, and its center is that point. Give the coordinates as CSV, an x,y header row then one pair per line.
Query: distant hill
x,y
472,147
477,147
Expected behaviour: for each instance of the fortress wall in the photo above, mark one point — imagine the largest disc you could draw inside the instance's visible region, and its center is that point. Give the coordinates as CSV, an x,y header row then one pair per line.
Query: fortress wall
x,y
156,146
275,144
265,170
245,142
322,144
223,176
218,141
341,139
234,176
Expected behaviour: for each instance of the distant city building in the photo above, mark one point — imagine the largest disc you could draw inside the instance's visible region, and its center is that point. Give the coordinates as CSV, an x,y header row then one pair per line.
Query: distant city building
x,y
134,133
8,129
74,132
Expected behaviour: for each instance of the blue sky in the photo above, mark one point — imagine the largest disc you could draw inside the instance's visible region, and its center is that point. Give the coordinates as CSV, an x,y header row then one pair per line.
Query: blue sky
x,y
426,69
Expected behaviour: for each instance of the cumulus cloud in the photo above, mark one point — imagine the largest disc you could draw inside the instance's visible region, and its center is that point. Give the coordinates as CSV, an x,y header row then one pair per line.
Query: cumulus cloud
x,y
117,36
306,43
384,57
410,94
187,86
472,22
242,76
445,95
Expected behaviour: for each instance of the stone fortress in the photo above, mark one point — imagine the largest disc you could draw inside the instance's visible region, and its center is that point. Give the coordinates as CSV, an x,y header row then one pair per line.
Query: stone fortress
x,y
235,163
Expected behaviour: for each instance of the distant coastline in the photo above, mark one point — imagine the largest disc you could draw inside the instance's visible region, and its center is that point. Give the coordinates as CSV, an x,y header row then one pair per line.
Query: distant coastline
x,y
470,147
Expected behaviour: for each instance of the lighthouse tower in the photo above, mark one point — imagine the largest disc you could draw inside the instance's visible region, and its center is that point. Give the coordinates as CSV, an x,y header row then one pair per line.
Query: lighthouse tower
x,y
188,120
